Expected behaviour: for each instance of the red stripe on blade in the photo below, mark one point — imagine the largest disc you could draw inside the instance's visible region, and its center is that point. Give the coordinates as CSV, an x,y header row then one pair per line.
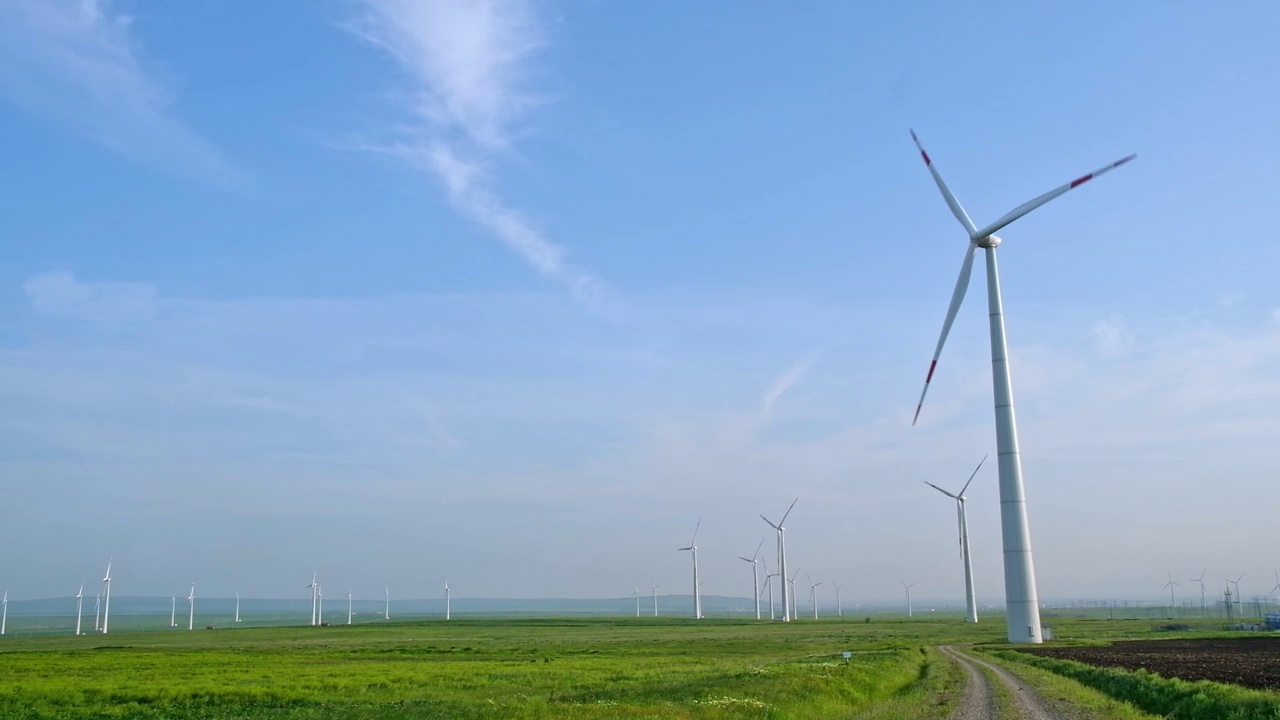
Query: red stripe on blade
x,y
929,377
925,155
1080,181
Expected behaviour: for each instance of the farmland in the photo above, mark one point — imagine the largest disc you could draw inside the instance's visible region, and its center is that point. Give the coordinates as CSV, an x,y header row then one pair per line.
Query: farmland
x,y
1251,662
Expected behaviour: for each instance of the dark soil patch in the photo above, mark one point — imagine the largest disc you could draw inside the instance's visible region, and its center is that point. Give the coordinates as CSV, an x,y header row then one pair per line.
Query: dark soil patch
x,y
1252,662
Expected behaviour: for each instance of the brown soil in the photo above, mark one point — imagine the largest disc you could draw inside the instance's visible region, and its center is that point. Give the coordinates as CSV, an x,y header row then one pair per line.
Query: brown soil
x,y
1252,662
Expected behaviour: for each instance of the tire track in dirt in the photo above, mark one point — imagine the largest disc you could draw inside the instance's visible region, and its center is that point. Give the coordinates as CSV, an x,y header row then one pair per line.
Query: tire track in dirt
x,y
980,702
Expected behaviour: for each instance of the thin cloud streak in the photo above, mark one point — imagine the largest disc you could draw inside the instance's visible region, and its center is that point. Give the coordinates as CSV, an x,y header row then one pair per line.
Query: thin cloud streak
x,y
466,62
786,380
77,60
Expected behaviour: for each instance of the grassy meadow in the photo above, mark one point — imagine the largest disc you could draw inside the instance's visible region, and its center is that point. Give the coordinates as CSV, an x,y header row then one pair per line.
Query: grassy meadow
x,y
514,668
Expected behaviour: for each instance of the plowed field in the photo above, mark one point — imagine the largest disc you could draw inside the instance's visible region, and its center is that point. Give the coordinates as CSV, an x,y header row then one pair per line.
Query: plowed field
x,y
1252,662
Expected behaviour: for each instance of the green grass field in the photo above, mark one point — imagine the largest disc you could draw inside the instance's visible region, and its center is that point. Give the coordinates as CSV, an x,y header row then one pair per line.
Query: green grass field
x,y
494,668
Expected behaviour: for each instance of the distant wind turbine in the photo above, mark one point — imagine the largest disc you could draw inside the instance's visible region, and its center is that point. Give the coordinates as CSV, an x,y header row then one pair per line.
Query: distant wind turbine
x,y
655,598
106,604
792,594
446,599
839,605
1022,604
1239,597
97,612
755,578
780,528
635,595
349,607
1171,585
4,616
697,592
1204,609
1277,587
768,587
319,604
191,608
907,587
813,594
314,587
173,611
386,613
970,597
79,607
237,607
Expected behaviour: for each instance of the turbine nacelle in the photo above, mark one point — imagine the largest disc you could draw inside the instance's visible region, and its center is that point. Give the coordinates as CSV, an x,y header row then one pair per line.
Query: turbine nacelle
x,y
990,241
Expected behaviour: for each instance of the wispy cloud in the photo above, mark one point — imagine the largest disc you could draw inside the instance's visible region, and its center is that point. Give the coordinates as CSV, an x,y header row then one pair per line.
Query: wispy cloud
x,y
786,380
466,63
59,294
77,61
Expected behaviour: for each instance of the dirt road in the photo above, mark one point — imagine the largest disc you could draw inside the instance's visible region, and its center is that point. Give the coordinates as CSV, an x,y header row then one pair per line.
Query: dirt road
x,y
980,699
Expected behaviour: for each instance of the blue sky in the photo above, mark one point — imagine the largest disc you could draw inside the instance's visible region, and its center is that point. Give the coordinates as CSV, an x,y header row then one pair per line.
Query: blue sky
x,y
513,292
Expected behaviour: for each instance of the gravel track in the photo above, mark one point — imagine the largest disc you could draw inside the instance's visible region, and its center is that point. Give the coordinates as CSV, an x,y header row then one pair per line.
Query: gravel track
x,y
980,702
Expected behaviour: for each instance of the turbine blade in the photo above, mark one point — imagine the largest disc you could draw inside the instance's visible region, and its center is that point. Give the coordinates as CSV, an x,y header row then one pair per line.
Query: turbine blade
x,y
957,297
757,552
695,532
1030,205
975,472
775,527
952,203
788,512
935,487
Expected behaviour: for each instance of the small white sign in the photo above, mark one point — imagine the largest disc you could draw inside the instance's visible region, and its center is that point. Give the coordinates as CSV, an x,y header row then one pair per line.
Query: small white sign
x,y
847,654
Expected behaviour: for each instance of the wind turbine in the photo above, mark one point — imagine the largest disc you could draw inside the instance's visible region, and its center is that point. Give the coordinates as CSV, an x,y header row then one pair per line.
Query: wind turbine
x,y
1239,598
655,598
813,595
780,528
97,612
319,604
446,599
907,587
4,617
755,579
1204,609
792,595
173,611
1022,603
1277,586
106,605
970,597
697,593
1171,585
191,608
386,613
237,607
349,607
314,587
839,605
635,595
768,587
79,607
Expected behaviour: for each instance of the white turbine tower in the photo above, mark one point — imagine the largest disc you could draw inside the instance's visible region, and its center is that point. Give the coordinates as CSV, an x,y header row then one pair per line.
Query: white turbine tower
x,y
907,587
697,592
97,612
4,615
447,609
173,611
970,597
191,608
792,594
755,576
79,607
813,594
237,607
106,604
314,587
319,604
635,595
780,528
655,598
1171,585
839,604
386,612
1204,609
349,613
768,587
1022,604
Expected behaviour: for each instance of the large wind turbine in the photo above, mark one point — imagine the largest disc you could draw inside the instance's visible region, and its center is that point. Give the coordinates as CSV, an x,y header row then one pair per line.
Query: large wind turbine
x,y
446,599
907,587
314,587
1021,602
697,593
4,615
755,577
813,594
970,598
191,608
106,604
173,611
79,607
780,528
1171,585
1239,597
